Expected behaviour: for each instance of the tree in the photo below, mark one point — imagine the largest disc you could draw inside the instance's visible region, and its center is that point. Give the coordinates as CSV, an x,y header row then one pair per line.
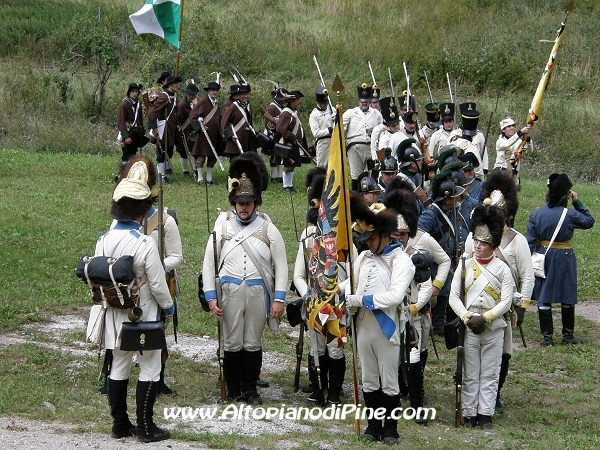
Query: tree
x,y
100,41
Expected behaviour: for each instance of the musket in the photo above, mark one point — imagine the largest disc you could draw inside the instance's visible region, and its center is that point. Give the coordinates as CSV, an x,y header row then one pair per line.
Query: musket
x,y
187,150
428,160
428,87
487,132
433,344
219,327
391,84
240,75
460,355
237,141
303,150
372,75
299,351
322,81
212,147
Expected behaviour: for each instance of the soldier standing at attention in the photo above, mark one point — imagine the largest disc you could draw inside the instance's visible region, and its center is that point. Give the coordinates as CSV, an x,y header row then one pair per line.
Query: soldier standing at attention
x,y
206,114
487,296
184,108
321,122
236,122
358,124
382,276
289,131
252,268
130,123
279,96
162,122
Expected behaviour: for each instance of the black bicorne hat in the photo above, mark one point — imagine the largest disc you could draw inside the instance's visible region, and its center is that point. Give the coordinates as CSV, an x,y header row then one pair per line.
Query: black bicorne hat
x,y
133,86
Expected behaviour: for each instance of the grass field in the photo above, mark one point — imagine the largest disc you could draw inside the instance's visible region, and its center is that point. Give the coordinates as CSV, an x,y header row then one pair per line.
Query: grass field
x,y
53,208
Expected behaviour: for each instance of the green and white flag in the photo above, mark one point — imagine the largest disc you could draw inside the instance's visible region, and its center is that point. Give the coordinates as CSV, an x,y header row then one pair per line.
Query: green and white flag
x,y
160,17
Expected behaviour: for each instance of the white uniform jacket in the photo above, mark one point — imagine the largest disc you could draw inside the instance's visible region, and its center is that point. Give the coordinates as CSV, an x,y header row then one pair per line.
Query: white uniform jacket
x,y
515,252
383,301
438,139
424,243
491,302
359,125
505,147
237,267
149,273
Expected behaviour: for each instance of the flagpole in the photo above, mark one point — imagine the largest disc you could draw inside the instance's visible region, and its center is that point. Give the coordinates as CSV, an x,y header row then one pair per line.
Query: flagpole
x,y
338,87
536,104
180,34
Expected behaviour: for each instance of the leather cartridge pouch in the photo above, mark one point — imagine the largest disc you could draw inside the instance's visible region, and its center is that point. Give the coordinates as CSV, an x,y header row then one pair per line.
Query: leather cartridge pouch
x,y
140,336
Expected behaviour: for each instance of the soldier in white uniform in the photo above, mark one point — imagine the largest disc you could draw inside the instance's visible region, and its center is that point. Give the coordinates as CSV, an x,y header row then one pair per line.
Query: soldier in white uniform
x,y
382,133
382,276
132,199
500,190
408,131
487,296
508,142
466,143
421,242
252,269
358,124
403,202
321,122
442,136
332,362
434,121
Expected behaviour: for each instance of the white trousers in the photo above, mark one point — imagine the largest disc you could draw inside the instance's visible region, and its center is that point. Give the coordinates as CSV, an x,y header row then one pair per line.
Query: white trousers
x,y
244,316
379,358
322,150
357,159
149,364
318,340
481,366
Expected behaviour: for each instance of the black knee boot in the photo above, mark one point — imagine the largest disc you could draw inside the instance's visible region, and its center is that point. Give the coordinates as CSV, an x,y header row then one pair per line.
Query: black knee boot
x,y
568,323
251,365
546,327
375,427
502,377
337,369
232,368
145,396
162,386
390,426
117,399
415,389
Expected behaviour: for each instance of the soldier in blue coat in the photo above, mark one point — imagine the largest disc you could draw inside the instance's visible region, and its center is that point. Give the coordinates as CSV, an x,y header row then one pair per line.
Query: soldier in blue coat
x,y
560,284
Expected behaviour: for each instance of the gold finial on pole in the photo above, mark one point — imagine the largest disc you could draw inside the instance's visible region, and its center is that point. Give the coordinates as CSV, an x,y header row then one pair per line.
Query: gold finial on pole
x,y
338,87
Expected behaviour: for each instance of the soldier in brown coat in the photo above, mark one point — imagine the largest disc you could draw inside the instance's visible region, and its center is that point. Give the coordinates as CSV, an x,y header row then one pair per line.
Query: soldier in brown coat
x,y
206,114
289,131
130,123
279,96
236,123
184,108
162,121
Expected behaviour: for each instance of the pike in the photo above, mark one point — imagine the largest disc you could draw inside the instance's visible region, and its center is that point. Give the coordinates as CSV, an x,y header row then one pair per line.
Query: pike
x,y
322,81
186,148
536,104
